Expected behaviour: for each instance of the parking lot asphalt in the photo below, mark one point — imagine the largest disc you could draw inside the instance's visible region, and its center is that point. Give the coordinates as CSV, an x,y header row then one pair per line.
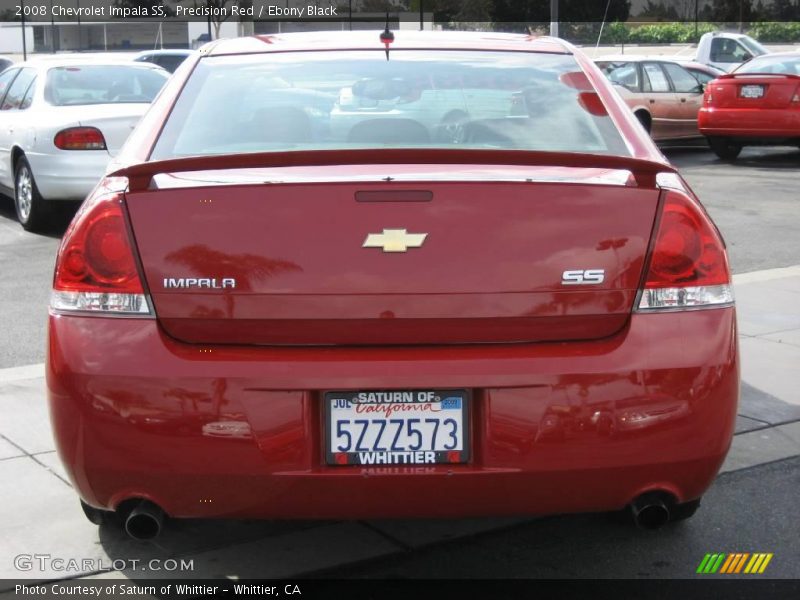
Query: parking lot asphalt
x,y
749,509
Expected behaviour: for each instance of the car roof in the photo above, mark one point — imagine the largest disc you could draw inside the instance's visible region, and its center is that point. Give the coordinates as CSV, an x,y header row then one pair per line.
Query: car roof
x,y
641,58
167,52
83,60
90,56
790,54
730,34
368,40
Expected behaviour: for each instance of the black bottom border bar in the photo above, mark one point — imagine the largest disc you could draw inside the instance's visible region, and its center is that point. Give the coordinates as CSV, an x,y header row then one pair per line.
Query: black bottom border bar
x,y
405,589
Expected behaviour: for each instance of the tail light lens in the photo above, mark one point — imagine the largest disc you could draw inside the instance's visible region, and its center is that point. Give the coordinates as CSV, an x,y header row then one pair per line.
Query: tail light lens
x,y
96,271
80,138
688,265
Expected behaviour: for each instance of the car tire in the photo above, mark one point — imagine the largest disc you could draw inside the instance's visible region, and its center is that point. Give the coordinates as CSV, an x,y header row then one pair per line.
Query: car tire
x,y
645,120
724,148
33,211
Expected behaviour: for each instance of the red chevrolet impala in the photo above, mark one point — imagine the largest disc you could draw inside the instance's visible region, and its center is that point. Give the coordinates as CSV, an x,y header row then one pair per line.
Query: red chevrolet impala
x,y
345,276
758,104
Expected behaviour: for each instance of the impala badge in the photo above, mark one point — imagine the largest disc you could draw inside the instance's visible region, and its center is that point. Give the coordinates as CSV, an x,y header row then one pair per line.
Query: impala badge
x,y
395,240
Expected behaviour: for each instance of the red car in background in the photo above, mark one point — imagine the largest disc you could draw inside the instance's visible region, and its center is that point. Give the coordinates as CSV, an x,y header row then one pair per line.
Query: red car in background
x,y
757,104
256,314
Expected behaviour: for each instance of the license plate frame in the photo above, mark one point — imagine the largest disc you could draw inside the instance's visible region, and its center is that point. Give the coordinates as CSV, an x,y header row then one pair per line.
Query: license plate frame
x,y
752,91
402,457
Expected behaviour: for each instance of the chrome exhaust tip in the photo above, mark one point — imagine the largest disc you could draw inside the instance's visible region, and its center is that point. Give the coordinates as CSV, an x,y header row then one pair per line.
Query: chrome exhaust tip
x,y
650,511
145,521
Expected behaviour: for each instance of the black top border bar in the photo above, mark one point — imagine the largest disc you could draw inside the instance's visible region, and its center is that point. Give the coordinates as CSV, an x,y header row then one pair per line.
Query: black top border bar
x,y
446,13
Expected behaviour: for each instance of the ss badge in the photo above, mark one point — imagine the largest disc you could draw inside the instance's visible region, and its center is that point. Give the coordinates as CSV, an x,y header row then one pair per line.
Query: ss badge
x,y
583,277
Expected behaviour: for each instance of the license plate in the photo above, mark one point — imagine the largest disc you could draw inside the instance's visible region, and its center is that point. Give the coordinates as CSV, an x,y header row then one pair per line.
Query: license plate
x,y
397,427
752,91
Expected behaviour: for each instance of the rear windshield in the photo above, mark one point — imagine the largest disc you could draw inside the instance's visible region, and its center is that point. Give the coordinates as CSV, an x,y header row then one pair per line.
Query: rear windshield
x,y
102,84
784,65
359,99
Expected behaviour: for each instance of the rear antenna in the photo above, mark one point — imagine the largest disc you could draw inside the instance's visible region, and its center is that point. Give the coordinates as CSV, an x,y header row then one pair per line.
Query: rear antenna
x,y
387,37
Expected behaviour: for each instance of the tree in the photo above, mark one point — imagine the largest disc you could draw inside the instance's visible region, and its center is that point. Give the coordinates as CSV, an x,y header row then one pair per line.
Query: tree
x,y
659,11
581,10
783,10
729,11
218,15
475,12
381,6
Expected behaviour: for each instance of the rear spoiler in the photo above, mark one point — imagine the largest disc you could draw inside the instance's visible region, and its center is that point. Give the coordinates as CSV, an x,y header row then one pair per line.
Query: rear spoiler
x,y
735,75
644,171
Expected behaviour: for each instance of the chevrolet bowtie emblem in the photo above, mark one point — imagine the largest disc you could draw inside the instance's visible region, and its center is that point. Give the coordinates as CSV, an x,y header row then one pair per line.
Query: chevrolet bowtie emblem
x,y
395,240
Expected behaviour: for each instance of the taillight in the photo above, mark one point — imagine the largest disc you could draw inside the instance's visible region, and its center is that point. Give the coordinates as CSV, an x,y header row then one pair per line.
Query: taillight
x,y
96,271
688,265
80,138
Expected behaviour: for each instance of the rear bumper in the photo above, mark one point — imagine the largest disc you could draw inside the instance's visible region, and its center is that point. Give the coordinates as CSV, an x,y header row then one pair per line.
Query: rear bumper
x,y
556,427
753,123
68,175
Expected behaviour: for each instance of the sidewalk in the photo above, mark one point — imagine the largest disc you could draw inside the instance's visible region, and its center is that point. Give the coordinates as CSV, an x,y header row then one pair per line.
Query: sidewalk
x,y
40,513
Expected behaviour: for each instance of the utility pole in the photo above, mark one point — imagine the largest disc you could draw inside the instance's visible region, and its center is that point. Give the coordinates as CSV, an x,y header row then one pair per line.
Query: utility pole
x,y
80,40
24,43
52,30
554,18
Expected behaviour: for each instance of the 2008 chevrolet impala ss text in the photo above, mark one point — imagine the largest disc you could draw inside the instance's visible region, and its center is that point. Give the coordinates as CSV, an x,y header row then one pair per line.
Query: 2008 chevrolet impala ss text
x,y
460,270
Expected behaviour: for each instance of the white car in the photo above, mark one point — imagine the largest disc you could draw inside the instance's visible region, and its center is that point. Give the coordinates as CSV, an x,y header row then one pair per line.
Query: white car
x,y
726,51
61,121
168,59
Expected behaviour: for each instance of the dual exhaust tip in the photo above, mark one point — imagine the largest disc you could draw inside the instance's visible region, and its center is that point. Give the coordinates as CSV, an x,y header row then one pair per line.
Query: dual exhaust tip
x,y
145,521
650,511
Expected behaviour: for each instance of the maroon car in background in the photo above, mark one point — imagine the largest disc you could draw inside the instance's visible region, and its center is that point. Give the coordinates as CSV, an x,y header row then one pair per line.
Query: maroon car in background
x,y
454,277
664,94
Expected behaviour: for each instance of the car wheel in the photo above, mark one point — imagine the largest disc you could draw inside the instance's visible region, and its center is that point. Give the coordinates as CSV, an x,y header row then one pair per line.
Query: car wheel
x,y
33,211
645,120
724,148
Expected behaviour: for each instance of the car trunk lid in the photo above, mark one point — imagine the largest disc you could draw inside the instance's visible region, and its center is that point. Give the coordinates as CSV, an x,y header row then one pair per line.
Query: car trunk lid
x,y
115,121
482,253
755,91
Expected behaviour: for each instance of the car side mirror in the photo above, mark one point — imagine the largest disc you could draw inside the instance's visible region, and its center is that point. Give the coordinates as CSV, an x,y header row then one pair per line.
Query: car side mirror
x,y
747,56
701,87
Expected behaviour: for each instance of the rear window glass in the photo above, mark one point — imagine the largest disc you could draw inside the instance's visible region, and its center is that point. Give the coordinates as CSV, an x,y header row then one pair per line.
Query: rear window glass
x,y
359,99
102,84
621,73
785,65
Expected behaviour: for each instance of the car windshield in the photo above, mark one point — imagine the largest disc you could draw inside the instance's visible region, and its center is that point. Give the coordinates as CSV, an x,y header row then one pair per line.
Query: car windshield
x,y
359,99
753,46
780,65
102,84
